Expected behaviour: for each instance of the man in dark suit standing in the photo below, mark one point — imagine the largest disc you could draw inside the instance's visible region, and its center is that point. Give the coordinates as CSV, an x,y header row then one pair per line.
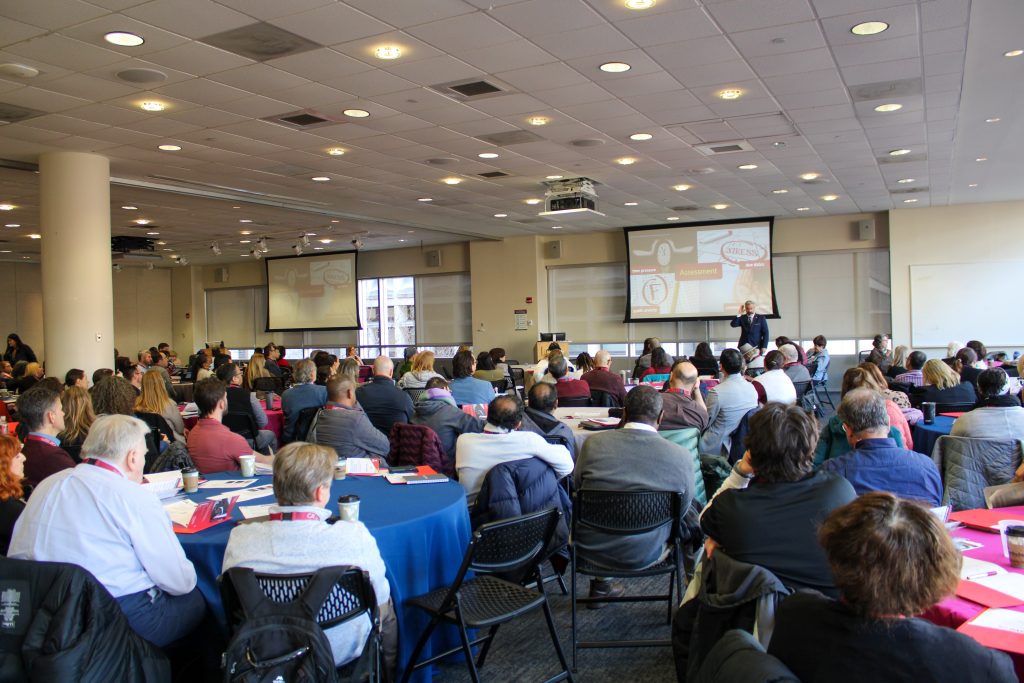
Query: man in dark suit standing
x,y
753,325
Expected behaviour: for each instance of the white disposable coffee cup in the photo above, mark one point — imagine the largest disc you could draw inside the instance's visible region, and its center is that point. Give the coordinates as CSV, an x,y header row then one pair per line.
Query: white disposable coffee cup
x,y
247,463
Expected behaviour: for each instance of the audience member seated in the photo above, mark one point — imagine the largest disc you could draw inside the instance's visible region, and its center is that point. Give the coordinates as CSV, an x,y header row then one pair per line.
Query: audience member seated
x,y
942,385
501,441
644,361
422,370
774,384
384,403
682,402
980,352
768,509
154,399
998,414
566,386
7,375
271,354
342,424
899,361
212,446
17,350
584,364
100,373
437,409
541,368
256,369
801,357
485,369
497,355
243,401
727,403
78,417
302,394
966,365
877,547
832,441
539,416
12,492
465,387
661,364
34,373
297,539
880,354
133,375
323,373
753,360
704,360
76,378
794,367
913,376
353,353
901,399
818,357
200,366
601,378
41,413
349,368
406,365
97,516
876,463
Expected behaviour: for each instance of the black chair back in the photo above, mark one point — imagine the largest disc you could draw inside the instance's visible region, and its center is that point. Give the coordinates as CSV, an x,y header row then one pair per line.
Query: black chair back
x,y
242,424
953,408
157,423
603,399
801,391
510,547
518,380
625,513
500,385
303,422
574,402
275,384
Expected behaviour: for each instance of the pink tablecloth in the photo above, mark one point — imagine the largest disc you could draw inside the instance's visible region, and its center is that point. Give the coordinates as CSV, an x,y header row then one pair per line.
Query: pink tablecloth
x,y
954,611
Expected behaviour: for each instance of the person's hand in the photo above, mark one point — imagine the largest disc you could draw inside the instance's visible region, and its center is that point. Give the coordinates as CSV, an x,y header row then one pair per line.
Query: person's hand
x,y
743,465
743,310
709,547
1019,474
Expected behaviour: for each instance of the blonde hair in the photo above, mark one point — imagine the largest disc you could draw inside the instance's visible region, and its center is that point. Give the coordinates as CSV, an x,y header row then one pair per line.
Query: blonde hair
x,y
423,362
257,368
78,414
299,468
899,356
31,369
153,398
939,374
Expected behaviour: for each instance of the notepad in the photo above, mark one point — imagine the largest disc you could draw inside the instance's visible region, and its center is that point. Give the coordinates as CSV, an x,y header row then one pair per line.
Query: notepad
x,y
246,494
227,483
1002,629
163,484
252,511
181,512
362,467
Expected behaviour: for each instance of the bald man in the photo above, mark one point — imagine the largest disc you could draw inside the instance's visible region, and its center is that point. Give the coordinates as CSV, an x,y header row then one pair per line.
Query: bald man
x,y
601,378
382,401
683,403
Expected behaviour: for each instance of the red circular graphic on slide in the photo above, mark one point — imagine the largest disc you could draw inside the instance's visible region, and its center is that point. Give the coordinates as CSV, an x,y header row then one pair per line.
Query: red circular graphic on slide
x,y
738,251
654,291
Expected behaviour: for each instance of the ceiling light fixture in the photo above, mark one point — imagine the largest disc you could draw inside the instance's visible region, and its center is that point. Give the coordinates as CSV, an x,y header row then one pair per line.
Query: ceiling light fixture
x,y
672,218
304,239
245,232
972,185
899,152
869,28
994,119
556,227
719,207
640,4
425,199
245,241
909,201
13,225
130,208
245,220
780,191
532,201
142,221
885,108
747,167
982,159
215,248
123,39
325,241
153,106
335,151
501,215
615,67
388,52
640,137
35,236
683,187
625,161
829,197
7,207
170,148
904,181
804,208
451,181
320,179
631,204
553,177
730,94
487,155
1013,53
153,233
810,176
356,113
255,253
261,244
538,120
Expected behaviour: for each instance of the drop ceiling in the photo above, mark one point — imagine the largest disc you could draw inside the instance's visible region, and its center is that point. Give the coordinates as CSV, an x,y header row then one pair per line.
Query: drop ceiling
x,y
809,89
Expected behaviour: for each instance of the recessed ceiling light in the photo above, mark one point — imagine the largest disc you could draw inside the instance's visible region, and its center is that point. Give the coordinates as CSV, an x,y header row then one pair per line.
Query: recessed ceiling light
x,y
909,201
166,249
884,108
556,227
982,159
245,220
451,181
631,204
899,152
7,207
810,176
318,248
730,93
804,208
335,151
13,225
123,38
829,197
161,242
780,191
326,240
1013,53
487,155
747,167
625,161
869,28
356,113
554,177
640,4
35,236
719,207
538,120
425,199
5,251
672,218
142,221
320,178
532,201
170,148
640,137
683,187
245,241
615,67
501,215
152,233
388,52
130,208
973,185
904,181
153,106
994,119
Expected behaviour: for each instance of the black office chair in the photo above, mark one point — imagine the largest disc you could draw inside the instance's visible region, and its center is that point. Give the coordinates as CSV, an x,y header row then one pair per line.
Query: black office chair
x,y
953,408
275,384
820,390
500,555
351,597
303,422
574,402
518,376
803,390
243,424
603,399
626,513
500,385
157,423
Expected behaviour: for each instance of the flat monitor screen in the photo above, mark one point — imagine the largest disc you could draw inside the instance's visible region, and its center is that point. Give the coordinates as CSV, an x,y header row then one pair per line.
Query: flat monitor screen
x,y
317,292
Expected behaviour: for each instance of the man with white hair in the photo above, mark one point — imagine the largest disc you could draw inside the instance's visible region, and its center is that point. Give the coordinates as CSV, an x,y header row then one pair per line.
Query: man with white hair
x,y
302,394
792,367
601,378
382,401
97,516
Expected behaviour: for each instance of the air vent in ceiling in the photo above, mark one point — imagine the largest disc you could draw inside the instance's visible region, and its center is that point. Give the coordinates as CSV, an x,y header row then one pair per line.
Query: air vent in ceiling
x,y
493,174
909,190
587,142
469,89
12,113
512,137
124,244
305,119
534,221
689,207
901,158
886,90
715,148
141,75
260,41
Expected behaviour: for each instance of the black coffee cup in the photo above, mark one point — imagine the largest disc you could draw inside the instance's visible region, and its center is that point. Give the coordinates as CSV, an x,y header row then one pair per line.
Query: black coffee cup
x,y
928,409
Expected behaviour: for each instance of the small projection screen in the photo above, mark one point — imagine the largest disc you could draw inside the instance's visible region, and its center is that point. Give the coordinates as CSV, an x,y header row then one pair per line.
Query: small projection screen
x,y
699,271
317,292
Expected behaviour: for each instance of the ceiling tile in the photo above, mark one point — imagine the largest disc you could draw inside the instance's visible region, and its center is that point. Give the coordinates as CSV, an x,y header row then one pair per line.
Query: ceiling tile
x,y
542,77
544,17
44,100
441,69
332,24
878,51
585,42
465,32
369,83
718,76
192,18
668,27
881,72
745,15
65,52
694,52
52,14
779,39
12,31
401,14
202,91
509,56
258,78
319,65
198,59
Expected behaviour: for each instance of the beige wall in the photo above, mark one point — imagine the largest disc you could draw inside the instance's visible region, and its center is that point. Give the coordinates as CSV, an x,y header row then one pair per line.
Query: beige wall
x,y
21,306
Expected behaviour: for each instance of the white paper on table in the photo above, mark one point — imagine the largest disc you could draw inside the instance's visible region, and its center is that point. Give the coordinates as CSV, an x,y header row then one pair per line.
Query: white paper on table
x,y
181,512
227,483
606,421
361,466
247,494
250,511
191,410
1001,619
974,567
163,484
1004,582
264,469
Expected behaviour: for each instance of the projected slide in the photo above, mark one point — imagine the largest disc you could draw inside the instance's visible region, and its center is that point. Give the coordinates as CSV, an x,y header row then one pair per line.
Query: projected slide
x,y
699,271
312,292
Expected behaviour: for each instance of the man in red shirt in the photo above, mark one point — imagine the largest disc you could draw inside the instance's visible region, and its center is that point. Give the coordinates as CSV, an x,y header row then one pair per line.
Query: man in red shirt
x,y
40,409
214,447
565,386
601,378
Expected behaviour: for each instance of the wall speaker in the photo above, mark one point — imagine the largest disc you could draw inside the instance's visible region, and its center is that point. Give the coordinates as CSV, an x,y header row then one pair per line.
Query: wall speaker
x,y
433,258
220,275
553,249
866,229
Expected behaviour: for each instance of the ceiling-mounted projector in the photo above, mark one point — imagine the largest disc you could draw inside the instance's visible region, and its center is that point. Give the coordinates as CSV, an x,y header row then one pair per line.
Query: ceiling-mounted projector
x,y
570,198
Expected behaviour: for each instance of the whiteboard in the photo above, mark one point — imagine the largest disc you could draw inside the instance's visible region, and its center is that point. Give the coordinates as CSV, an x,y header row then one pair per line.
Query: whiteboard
x,y
960,301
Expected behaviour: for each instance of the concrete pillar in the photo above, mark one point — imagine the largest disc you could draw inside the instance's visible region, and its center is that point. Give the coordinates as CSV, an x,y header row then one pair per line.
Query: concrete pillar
x,y
78,299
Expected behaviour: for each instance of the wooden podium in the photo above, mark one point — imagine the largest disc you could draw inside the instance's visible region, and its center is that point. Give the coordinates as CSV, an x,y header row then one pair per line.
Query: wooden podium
x,y
541,350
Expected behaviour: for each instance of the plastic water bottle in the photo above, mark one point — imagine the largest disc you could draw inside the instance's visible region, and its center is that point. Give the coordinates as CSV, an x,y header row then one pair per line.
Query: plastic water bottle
x,y
3,424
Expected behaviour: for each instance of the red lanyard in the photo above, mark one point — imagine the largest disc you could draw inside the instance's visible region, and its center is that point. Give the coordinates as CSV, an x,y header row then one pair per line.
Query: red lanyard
x,y
35,437
104,465
294,516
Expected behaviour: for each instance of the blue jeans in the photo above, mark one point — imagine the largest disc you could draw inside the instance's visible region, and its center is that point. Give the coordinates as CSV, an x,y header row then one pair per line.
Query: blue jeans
x,y
161,618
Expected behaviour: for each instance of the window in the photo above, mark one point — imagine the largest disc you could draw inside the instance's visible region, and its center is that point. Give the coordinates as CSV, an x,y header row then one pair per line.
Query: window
x,y
429,312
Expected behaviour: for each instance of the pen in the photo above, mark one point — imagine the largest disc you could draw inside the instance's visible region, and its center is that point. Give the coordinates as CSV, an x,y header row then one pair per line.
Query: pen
x,y
971,577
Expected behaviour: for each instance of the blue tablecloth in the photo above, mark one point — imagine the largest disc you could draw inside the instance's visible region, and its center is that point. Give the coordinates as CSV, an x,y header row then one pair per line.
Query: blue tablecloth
x,y
925,436
422,532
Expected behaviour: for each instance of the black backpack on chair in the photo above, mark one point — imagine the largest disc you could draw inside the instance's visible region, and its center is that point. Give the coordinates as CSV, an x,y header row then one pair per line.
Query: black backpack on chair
x,y
279,641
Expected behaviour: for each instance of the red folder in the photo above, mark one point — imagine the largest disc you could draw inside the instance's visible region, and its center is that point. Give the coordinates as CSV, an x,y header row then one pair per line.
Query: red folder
x,y
983,595
1007,641
987,519
208,513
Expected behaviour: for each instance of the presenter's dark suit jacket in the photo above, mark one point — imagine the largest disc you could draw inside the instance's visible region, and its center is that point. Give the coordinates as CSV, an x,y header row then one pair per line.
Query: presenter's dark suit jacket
x,y
754,333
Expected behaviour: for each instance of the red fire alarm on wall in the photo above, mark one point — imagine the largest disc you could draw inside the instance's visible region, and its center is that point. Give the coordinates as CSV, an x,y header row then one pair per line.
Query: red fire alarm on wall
x,y
529,299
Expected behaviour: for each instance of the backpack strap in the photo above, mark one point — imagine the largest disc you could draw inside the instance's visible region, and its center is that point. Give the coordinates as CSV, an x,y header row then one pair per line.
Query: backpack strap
x,y
255,603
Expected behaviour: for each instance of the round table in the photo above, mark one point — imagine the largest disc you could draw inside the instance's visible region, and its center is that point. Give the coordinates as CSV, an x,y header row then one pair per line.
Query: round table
x,y
422,532
925,435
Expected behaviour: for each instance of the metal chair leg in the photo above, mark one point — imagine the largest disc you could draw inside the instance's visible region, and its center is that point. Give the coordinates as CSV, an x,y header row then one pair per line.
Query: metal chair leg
x,y
555,641
418,650
467,649
572,598
487,646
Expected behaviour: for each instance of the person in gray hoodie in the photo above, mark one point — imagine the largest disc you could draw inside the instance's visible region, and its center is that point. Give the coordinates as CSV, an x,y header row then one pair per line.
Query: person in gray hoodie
x,y
343,425
436,409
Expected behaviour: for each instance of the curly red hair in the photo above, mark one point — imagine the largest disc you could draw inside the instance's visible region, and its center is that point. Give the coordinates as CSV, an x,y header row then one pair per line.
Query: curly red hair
x,y
9,486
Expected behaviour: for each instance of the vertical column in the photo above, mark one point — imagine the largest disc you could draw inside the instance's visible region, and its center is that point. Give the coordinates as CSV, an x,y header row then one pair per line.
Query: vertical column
x,y
78,299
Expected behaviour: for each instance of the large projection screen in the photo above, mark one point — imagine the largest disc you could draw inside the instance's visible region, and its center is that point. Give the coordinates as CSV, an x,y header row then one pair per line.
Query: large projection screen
x,y
699,271
316,292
